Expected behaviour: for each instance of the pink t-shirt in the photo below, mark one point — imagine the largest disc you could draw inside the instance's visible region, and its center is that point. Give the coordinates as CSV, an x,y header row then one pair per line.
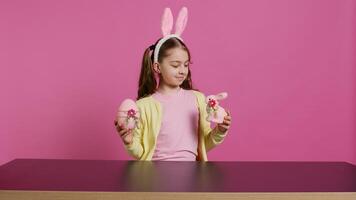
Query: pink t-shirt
x,y
178,136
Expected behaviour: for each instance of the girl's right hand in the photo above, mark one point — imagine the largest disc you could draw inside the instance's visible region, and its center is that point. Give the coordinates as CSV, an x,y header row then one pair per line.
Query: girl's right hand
x,y
125,134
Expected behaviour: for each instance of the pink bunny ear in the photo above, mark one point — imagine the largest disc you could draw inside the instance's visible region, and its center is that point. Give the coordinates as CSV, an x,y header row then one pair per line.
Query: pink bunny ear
x,y
167,22
181,21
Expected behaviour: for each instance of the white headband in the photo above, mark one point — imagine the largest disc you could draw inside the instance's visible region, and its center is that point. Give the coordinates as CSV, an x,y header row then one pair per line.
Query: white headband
x,y
160,43
167,25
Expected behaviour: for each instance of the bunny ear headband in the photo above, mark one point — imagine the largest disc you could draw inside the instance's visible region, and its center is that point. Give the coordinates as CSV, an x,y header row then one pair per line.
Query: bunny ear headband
x,y
167,25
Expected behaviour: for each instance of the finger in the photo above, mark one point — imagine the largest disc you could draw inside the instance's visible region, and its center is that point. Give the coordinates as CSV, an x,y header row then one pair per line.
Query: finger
x,y
126,134
225,126
222,128
123,132
126,141
227,117
228,113
119,128
227,122
224,122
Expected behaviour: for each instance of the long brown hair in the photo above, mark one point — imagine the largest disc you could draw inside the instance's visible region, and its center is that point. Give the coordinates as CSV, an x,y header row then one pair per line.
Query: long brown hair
x,y
147,83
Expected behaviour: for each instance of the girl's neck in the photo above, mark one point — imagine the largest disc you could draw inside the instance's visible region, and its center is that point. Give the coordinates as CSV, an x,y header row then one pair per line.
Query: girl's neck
x,y
165,89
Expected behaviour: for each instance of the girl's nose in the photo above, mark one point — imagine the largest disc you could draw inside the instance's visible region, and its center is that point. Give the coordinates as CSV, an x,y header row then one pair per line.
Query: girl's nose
x,y
181,70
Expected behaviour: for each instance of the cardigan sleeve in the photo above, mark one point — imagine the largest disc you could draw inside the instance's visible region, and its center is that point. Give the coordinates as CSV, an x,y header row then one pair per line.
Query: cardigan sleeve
x,y
212,137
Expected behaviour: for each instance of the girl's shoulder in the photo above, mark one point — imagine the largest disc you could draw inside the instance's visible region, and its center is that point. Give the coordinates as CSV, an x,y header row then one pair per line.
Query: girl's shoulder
x,y
199,95
145,101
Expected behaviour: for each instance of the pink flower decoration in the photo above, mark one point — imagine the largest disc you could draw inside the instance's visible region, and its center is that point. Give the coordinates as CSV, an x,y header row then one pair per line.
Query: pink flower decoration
x,y
131,113
212,102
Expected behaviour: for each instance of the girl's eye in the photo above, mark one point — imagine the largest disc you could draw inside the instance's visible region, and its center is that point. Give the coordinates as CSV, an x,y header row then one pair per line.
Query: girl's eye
x,y
176,66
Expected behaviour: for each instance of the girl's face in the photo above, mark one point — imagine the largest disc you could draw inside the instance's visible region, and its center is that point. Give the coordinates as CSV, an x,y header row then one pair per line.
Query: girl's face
x,y
173,69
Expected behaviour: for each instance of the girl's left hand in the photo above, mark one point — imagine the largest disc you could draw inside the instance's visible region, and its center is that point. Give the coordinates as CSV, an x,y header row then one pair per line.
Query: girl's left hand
x,y
225,125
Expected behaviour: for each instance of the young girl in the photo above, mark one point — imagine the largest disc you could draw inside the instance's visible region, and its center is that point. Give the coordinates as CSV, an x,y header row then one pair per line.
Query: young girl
x,y
172,124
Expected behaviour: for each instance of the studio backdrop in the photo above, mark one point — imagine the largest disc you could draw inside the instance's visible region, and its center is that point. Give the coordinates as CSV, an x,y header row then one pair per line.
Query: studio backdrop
x,y
287,65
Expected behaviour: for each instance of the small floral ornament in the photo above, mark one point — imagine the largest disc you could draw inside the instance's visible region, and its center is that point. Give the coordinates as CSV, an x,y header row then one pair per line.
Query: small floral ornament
x,y
212,107
212,104
128,114
131,113
131,119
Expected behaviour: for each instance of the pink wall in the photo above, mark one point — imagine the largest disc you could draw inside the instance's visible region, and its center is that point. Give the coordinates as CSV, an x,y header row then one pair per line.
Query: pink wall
x,y
289,67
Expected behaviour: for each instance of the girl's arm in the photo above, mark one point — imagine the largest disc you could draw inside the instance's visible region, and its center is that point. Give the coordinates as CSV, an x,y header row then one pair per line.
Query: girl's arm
x,y
212,137
135,148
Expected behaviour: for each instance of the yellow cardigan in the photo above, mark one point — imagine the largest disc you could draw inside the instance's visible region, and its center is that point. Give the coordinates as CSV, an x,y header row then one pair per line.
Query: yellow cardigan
x,y
145,135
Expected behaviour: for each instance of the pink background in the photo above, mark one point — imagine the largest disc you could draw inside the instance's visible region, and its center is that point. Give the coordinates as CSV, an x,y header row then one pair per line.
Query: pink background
x,y
288,66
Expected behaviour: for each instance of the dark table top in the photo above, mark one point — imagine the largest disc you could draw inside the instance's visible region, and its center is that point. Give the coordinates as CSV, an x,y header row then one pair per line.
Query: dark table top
x,y
170,176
